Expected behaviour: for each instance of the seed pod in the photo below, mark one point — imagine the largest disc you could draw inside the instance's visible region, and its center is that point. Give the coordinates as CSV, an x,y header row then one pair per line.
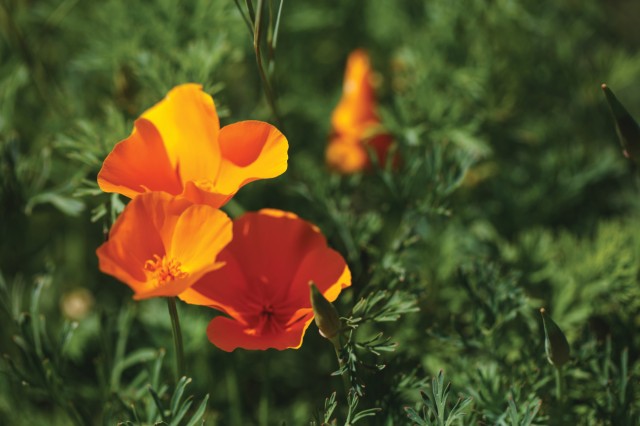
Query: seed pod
x,y
326,315
555,342
626,127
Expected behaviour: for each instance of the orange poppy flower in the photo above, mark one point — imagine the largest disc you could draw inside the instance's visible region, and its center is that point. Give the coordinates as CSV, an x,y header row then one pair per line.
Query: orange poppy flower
x,y
355,122
160,245
264,285
178,147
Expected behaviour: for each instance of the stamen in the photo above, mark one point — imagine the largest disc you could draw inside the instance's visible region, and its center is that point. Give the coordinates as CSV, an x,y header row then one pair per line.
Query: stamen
x,y
205,184
164,270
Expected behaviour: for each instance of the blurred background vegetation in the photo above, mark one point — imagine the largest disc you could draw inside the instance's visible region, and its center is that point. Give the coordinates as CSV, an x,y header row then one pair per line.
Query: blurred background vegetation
x,y
512,194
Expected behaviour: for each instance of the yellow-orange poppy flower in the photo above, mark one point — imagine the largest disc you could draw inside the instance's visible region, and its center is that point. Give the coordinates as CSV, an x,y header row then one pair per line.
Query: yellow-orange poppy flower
x,y
264,285
355,123
178,147
160,245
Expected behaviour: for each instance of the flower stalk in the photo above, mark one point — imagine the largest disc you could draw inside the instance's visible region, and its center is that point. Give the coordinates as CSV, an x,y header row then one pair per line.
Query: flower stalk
x,y
177,336
559,384
341,362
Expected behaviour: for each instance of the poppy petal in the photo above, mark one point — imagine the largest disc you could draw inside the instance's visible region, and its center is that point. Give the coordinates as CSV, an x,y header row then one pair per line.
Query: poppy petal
x,y
225,289
329,272
160,245
357,105
162,211
200,233
139,164
346,155
201,194
271,244
125,253
228,334
170,289
251,150
189,126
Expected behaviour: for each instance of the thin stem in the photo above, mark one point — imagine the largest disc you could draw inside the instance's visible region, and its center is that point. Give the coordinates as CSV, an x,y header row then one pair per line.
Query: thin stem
x,y
177,336
257,39
345,373
559,384
244,17
252,14
263,404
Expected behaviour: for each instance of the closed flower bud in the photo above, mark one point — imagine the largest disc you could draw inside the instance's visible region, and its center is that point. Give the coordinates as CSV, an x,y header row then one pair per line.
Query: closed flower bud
x,y
555,342
626,127
326,315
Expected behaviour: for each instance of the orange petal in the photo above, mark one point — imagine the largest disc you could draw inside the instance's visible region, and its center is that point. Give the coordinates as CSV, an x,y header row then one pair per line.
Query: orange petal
x,y
139,164
133,240
162,211
357,105
228,334
205,195
327,269
156,225
189,126
270,249
250,150
225,289
171,289
200,233
193,235
346,157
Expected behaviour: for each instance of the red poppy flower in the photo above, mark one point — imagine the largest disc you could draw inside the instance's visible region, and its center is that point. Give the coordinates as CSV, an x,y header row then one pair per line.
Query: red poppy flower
x,y
355,123
178,147
264,285
160,246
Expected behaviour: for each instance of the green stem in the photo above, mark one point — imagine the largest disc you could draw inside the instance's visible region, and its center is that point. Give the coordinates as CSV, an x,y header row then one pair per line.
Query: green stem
x,y
345,374
234,209
266,84
177,336
244,17
559,384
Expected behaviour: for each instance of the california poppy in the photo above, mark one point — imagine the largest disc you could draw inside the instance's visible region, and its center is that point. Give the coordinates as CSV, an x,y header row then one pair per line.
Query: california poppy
x,y
264,285
355,123
178,147
160,245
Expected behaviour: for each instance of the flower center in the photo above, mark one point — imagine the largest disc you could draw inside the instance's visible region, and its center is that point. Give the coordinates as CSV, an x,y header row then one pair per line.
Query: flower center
x,y
164,269
205,184
267,322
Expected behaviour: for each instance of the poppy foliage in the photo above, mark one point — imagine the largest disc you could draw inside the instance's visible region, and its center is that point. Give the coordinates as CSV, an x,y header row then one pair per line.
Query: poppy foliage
x,y
160,245
264,285
178,147
355,123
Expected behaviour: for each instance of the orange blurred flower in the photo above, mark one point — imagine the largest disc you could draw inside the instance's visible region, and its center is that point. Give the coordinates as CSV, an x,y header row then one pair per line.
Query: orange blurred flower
x,y
178,147
161,245
264,285
355,122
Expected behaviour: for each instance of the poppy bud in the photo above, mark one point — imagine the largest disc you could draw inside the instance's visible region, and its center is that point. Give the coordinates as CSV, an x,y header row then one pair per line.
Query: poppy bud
x,y
555,342
326,315
626,127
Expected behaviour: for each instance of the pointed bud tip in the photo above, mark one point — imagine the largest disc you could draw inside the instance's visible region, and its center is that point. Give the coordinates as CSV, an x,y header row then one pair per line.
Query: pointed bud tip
x,y
626,126
555,343
326,315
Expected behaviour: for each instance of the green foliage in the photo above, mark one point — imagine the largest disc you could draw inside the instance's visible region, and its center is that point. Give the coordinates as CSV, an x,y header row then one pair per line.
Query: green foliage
x,y
437,411
510,194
